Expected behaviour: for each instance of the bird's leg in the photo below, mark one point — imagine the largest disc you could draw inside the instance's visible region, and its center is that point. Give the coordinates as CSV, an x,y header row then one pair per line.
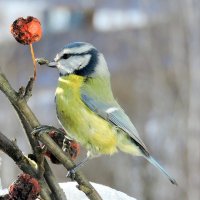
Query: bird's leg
x,y
72,171
90,155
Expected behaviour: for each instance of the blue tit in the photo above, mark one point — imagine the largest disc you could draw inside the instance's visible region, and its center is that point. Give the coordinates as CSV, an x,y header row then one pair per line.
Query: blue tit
x,y
87,109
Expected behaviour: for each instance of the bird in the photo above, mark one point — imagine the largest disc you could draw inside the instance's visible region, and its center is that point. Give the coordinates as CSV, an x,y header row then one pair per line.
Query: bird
x,y
87,109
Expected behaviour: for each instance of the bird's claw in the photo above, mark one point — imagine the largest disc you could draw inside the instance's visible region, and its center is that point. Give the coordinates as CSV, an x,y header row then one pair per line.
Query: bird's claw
x,y
43,128
71,173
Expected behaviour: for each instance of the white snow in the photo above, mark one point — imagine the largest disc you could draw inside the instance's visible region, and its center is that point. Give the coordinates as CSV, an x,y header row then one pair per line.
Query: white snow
x,y
73,193
3,192
106,193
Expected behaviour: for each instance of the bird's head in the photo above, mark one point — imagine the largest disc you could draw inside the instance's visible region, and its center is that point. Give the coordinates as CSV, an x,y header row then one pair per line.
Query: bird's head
x,y
82,59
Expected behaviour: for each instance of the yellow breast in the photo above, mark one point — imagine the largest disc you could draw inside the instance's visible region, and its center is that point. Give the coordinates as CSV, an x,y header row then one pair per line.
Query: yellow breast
x,y
82,124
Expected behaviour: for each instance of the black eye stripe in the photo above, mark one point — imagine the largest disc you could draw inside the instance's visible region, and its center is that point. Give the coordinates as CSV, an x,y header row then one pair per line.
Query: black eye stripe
x,y
65,56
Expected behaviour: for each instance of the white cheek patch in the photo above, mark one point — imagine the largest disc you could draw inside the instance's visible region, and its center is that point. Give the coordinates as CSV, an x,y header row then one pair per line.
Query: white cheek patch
x,y
73,63
76,62
63,69
85,60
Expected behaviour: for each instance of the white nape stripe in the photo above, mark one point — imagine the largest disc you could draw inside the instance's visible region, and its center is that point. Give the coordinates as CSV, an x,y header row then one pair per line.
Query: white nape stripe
x,y
112,109
78,50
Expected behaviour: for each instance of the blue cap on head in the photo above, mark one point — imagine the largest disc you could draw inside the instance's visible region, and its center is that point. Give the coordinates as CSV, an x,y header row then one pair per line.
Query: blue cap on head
x,y
74,45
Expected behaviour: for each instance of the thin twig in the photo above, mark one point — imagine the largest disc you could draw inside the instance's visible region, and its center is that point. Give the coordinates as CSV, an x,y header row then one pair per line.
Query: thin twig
x,y
33,142
34,62
11,149
21,92
28,90
52,182
20,103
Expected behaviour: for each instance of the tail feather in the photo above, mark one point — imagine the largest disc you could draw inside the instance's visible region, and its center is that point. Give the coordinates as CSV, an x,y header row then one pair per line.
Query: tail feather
x,y
157,165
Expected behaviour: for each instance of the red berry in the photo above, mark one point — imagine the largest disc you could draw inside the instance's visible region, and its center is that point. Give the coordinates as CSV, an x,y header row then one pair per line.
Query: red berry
x,y
26,31
24,188
74,149
70,147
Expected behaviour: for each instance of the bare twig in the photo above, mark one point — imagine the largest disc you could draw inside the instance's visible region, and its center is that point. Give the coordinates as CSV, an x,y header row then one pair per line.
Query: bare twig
x,y
21,92
12,150
52,182
28,90
19,103
26,93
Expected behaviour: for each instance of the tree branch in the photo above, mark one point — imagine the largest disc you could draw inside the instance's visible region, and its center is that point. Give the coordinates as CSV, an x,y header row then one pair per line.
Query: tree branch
x,y
19,103
29,122
26,116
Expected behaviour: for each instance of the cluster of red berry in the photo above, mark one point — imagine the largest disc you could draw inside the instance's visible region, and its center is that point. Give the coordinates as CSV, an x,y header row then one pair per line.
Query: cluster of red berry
x,y
24,188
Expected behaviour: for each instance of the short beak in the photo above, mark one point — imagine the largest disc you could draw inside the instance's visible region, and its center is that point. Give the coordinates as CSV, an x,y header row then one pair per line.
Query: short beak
x,y
52,64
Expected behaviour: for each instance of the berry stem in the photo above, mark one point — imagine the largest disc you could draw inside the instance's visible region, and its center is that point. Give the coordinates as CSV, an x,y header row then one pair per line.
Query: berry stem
x,y
34,62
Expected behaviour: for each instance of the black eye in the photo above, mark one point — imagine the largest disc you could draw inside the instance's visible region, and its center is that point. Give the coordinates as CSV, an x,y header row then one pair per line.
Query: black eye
x,y
65,56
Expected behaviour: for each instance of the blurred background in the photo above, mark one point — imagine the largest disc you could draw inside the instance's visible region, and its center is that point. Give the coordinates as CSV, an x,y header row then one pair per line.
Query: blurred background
x,y
153,53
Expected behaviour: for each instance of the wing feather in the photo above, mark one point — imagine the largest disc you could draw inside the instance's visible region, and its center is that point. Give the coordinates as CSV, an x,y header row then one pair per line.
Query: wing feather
x,y
114,114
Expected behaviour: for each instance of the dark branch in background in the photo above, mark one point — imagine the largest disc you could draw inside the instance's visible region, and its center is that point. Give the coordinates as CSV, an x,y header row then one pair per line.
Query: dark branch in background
x,y
29,122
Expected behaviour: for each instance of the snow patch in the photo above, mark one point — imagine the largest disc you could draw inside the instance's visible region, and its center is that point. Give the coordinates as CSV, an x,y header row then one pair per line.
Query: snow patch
x,y
106,193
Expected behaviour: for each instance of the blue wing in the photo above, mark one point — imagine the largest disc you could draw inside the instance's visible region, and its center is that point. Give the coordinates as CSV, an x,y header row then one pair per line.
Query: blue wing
x,y
114,114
